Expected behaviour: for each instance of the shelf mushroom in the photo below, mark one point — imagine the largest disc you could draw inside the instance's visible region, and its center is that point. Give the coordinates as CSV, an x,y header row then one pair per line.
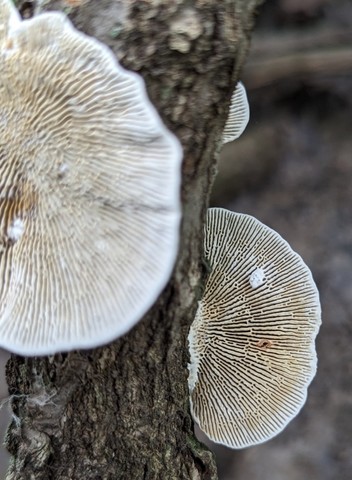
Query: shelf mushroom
x,y
238,116
252,352
89,190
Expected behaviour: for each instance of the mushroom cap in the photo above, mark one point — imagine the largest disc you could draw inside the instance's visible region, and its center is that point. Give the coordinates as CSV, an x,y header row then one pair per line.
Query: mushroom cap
x,y
89,191
252,352
238,116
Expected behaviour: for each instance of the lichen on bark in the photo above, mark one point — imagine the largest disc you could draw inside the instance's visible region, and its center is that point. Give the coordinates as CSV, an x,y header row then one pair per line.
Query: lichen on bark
x,y
121,411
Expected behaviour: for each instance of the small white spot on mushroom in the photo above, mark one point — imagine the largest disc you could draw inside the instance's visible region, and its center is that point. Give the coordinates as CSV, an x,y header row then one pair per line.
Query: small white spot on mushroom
x,y
101,245
257,278
16,229
63,263
63,169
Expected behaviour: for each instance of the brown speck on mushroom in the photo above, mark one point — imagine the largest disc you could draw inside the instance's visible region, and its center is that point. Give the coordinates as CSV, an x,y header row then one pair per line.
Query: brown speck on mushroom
x,y
252,352
264,344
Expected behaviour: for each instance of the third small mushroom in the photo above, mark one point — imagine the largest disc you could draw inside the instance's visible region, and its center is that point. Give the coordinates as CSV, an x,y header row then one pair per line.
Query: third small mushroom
x,y
252,342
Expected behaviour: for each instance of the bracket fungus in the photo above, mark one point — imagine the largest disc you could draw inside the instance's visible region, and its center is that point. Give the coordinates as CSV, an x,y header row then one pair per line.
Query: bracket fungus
x,y
238,116
89,196
252,351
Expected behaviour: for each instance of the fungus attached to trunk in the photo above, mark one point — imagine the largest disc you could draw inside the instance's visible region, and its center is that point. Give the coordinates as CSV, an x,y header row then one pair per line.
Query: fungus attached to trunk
x,y
252,341
89,190
238,116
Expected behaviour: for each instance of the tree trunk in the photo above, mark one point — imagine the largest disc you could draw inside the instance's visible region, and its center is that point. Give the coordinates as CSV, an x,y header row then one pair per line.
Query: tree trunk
x,y
121,411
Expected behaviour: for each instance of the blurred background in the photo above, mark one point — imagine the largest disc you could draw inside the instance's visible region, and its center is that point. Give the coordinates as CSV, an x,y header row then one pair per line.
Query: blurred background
x,y
292,169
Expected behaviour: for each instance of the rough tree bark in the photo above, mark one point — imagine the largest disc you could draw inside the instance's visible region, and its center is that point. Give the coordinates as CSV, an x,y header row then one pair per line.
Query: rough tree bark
x,y
121,411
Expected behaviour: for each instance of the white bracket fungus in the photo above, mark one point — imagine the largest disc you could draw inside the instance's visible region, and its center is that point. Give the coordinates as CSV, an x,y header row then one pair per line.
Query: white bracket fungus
x,y
90,181
252,352
238,116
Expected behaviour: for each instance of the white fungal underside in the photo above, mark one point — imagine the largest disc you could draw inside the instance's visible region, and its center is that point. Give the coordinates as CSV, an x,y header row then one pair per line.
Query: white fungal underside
x,y
251,345
93,174
238,116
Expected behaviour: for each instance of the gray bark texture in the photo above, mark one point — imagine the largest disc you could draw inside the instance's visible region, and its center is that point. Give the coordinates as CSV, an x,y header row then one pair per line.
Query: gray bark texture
x,y
122,411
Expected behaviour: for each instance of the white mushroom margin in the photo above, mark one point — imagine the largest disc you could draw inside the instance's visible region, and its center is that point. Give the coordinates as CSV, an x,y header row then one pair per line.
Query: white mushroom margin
x,y
252,343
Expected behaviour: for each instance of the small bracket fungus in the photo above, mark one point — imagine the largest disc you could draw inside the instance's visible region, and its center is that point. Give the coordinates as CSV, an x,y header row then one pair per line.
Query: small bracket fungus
x,y
252,341
89,192
238,116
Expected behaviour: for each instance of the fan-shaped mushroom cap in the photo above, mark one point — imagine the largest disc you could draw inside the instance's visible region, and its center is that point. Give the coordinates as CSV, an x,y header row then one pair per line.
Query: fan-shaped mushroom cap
x,y
238,116
252,341
89,190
